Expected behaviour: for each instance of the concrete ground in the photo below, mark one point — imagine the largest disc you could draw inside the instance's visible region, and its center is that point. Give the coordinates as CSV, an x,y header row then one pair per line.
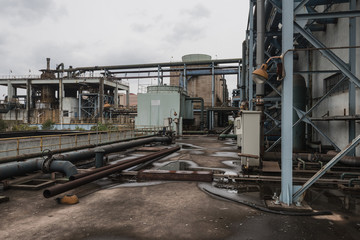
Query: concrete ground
x,y
169,210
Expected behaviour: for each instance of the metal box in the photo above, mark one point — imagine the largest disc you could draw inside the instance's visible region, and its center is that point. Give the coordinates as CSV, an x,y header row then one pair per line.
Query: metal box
x,y
250,143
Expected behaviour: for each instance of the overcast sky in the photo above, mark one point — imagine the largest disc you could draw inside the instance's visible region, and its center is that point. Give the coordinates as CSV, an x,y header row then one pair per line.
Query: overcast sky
x,y
112,32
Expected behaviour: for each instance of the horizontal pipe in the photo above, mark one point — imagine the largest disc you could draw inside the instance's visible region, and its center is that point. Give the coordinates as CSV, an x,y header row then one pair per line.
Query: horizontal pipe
x,y
20,168
60,188
109,148
347,160
39,154
81,175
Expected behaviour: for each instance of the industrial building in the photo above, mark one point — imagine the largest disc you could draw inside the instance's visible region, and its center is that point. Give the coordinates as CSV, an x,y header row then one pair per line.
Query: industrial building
x,y
287,167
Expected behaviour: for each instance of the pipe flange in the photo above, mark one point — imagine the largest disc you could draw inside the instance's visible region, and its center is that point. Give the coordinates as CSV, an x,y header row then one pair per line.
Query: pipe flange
x,y
46,164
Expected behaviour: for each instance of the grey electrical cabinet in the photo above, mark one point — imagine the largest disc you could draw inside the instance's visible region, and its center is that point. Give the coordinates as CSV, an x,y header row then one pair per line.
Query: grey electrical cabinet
x,y
250,142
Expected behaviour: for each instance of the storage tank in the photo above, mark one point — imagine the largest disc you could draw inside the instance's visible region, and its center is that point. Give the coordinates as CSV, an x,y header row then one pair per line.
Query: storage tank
x,y
196,57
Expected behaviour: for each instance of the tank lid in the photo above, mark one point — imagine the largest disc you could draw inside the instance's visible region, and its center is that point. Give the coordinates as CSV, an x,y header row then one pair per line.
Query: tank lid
x,y
196,57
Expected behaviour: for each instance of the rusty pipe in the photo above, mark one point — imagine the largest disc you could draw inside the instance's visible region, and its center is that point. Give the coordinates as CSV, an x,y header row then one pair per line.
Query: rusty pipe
x,y
81,175
60,188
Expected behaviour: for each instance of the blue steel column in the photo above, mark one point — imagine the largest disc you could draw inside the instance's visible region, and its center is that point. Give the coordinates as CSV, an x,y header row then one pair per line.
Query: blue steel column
x,y
251,55
287,103
352,61
185,78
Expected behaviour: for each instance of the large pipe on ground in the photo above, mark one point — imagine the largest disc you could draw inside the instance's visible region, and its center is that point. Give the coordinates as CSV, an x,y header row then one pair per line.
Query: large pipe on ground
x,y
39,154
46,165
145,158
347,160
60,188
110,148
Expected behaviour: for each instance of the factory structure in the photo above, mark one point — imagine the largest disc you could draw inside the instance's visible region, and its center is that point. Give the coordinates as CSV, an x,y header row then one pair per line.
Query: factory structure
x,y
288,137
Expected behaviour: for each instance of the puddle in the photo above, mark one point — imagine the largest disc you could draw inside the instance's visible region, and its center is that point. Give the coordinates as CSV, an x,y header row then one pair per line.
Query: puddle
x,y
225,154
196,152
189,146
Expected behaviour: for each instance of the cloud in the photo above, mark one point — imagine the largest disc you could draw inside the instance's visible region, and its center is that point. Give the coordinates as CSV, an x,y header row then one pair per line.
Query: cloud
x,y
28,12
199,11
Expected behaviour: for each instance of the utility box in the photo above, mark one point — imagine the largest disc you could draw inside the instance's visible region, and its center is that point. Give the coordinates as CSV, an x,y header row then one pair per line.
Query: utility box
x,y
250,142
163,106
238,131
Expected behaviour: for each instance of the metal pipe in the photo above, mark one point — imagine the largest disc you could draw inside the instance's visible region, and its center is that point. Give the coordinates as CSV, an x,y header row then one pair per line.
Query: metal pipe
x,y
347,160
39,154
21,168
260,38
243,73
109,148
81,175
60,188
202,109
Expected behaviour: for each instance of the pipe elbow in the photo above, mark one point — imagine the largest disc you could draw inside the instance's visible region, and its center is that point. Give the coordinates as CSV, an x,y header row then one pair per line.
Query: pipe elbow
x,y
65,167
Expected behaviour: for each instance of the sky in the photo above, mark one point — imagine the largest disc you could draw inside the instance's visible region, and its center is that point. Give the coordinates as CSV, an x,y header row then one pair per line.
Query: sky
x,y
113,32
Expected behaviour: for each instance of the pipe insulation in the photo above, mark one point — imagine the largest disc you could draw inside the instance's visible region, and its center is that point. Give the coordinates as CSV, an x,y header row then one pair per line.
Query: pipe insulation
x,y
20,168
110,148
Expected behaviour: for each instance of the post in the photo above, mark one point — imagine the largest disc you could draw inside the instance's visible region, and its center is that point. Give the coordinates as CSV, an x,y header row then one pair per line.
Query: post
x,y
212,94
61,97
99,158
352,62
287,104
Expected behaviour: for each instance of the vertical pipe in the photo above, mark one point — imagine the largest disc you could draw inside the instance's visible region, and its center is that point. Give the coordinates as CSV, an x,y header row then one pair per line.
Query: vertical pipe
x,y
61,97
127,98
185,78
251,55
212,93
287,103
101,98
28,100
352,62
260,38
116,95
159,81
80,97
243,73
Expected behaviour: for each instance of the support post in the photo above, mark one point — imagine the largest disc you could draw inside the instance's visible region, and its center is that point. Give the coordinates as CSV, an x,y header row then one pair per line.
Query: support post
x,y
212,94
61,97
352,62
127,99
28,100
101,99
287,104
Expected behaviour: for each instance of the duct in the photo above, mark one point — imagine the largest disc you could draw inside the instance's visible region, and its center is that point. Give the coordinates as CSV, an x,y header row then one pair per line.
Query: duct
x,y
110,148
60,188
347,160
202,109
46,165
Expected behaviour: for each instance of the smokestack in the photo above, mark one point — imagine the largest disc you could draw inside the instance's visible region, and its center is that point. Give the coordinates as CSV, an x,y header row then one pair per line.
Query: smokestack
x,y
47,63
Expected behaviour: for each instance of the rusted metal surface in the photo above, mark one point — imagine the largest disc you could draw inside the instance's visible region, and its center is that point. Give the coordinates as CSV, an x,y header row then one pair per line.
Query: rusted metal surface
x,y
60,188
198,176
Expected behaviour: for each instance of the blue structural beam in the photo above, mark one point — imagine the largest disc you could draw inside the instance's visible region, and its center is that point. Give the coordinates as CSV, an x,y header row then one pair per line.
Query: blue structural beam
x,y
325,168
287,104
328,15
209,72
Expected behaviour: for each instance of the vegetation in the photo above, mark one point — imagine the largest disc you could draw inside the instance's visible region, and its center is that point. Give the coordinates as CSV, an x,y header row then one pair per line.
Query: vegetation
x,y
3,125
103,127
77,128
23,127
48,125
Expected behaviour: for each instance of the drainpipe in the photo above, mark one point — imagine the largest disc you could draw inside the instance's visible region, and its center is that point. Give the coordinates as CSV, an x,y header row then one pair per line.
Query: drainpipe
x,y
201,100
243,73
20,168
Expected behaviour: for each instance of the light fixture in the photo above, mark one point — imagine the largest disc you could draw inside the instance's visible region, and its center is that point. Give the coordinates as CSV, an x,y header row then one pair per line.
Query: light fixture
x,y
260,75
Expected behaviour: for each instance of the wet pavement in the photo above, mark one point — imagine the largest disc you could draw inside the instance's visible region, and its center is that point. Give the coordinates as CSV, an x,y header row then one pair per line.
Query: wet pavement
x,y
110,209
